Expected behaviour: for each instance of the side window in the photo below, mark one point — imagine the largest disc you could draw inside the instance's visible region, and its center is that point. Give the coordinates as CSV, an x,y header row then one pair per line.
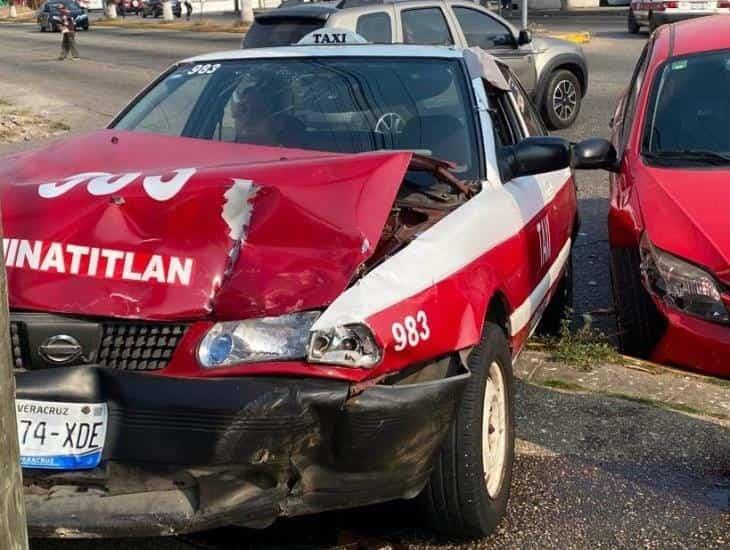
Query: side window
x,y
504,119
633,94
425,26
375,27
533,120
169,117
481,30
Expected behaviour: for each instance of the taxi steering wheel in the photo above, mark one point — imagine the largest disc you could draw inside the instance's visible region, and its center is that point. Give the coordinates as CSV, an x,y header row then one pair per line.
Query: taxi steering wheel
x,y
390,123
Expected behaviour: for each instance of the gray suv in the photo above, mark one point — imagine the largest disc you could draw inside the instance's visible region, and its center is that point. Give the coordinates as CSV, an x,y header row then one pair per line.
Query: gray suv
x,y
553,71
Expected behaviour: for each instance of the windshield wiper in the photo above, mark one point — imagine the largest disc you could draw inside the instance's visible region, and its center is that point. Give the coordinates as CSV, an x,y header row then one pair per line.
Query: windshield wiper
x,y
688,155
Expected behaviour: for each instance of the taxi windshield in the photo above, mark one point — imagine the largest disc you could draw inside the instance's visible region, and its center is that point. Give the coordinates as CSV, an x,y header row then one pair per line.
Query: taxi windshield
x,y
689,114
344,105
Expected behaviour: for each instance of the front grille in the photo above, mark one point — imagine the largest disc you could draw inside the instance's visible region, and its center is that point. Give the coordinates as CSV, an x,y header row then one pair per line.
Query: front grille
x,y
126,345
17,341
138,346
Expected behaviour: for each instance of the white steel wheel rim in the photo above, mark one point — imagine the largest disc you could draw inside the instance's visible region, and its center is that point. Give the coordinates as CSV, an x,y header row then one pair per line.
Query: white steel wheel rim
x,y
494,430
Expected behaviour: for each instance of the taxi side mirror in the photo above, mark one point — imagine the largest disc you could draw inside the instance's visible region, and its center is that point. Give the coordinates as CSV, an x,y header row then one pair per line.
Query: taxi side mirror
x,y
534,155
595,154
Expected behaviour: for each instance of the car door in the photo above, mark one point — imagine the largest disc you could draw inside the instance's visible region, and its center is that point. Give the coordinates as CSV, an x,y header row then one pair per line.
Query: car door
x,y
481,29
547,202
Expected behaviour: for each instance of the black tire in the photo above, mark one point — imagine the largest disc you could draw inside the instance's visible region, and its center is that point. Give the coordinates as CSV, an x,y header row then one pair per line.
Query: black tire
x,y
639,323
653,24
562,113
633,25
560,305
456,498
41,27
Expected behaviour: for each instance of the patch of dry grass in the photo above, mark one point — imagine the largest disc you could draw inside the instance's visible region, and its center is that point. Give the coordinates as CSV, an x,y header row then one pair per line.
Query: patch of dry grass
x,y
202,25
25,15
21,124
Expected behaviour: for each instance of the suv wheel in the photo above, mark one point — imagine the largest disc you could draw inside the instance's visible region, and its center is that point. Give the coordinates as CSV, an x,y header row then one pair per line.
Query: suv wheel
x,y
634,27
562,99
469,486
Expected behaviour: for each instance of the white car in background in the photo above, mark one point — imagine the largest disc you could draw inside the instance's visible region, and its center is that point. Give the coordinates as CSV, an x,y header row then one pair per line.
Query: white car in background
x,y
655,13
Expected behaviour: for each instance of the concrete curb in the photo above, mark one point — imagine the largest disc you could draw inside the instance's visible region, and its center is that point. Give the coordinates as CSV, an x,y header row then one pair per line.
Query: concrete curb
x,y
576,37
641,381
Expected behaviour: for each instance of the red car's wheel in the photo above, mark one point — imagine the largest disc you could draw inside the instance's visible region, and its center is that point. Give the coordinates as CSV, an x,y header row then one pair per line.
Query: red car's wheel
x,y
638,321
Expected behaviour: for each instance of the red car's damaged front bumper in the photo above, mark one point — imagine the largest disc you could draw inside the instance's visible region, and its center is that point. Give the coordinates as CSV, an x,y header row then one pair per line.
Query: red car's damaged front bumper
x,y
692,343
189,454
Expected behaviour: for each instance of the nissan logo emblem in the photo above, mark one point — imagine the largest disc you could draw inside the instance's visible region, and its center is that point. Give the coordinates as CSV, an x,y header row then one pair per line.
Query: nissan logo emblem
x,y
60,349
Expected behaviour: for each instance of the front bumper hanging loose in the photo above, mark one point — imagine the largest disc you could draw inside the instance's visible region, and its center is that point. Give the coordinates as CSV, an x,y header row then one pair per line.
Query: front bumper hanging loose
x,y
187,454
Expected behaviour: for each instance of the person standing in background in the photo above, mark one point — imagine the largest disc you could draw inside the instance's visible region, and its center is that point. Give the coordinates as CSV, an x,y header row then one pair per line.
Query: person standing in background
x,y
68,34
188,9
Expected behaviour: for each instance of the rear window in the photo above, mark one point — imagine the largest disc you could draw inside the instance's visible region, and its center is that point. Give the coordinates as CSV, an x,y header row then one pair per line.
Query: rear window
x,y
425,26
265,33
689,111
375,27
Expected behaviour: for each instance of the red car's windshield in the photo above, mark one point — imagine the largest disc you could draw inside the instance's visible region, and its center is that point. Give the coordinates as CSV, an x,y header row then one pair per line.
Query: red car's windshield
x,y
689,113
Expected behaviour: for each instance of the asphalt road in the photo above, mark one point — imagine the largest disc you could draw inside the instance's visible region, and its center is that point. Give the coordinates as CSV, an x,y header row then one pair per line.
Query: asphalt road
x,y
591,472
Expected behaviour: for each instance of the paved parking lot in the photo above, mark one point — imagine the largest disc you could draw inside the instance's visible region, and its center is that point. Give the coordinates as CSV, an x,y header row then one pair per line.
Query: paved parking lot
x,y
592,471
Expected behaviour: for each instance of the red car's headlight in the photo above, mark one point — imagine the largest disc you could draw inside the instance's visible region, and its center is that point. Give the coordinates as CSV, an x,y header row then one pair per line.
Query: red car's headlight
x,y
681,284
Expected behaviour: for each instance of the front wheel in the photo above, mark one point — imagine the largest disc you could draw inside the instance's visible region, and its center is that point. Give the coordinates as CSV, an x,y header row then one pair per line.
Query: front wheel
x,y
562,99
639,323
467,493
633,25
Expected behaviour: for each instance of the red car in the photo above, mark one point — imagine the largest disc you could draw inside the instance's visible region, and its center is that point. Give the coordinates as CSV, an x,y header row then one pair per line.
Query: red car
x,y
669,226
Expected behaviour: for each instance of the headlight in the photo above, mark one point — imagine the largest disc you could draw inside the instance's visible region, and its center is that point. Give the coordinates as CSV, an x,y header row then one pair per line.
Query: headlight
x,y
287,338
257,340
350,345
681,284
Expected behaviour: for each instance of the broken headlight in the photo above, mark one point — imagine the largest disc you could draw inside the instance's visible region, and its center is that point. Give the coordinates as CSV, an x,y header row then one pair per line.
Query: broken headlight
x,y
257,340
681,284
349,345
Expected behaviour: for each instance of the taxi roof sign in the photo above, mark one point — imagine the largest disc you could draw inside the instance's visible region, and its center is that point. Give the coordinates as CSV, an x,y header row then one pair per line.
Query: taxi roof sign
x,y
331,37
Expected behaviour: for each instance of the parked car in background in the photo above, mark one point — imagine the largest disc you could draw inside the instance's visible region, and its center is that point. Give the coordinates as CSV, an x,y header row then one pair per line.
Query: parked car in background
x,y
49,16
131,6
153,8
653,13
288,280
553,71
668,220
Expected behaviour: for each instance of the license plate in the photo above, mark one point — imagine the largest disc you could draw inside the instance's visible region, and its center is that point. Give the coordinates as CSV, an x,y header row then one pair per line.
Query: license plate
x,y
699,5
61,436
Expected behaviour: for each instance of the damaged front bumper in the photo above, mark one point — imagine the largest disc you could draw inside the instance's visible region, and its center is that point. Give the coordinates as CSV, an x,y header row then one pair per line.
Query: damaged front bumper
x,y
187,454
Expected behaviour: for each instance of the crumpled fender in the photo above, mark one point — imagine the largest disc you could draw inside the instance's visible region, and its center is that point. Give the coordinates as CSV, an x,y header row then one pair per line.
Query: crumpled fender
x,y
153,227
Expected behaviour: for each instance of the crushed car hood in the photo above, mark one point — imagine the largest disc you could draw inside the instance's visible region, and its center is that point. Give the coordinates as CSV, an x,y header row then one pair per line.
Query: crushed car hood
x,y
146,226
684,212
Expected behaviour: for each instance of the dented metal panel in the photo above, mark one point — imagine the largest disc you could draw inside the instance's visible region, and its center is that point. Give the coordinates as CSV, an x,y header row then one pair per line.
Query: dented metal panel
x,y
248,230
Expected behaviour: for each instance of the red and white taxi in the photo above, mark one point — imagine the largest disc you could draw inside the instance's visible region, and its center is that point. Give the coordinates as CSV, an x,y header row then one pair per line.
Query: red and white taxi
x,y
307,296
668,225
